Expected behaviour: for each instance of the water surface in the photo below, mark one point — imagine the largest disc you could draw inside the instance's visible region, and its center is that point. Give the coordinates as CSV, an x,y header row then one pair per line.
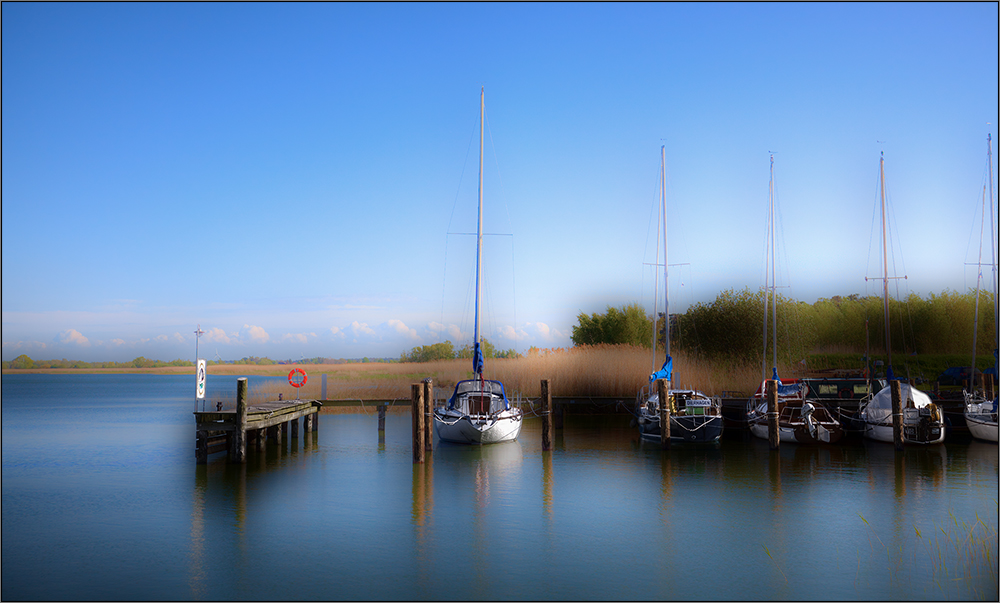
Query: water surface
x,y
102,499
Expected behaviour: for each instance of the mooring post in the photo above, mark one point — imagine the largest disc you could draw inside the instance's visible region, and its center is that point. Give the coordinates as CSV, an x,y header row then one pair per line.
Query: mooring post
x,y
258,441
238,449
201,448
546,416
381,422
663,393
295,428
897,414
428,414
771,392
417,413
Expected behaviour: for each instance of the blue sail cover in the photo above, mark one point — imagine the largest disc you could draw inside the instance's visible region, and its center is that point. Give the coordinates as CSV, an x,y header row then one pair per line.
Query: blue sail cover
x,y
784,390
665,371
477,359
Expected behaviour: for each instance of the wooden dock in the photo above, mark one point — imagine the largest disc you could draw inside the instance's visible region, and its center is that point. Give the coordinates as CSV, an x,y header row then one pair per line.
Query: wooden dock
x,y
234,430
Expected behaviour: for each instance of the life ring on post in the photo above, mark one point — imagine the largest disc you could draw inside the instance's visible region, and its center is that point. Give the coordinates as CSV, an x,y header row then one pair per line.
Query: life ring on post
x,y
294,381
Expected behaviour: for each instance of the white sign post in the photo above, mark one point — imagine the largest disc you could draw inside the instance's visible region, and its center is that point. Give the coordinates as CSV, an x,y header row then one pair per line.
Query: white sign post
x,y
201,380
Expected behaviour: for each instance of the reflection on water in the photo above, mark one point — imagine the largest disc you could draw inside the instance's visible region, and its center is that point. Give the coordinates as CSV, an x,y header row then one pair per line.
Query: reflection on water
x,y
124,512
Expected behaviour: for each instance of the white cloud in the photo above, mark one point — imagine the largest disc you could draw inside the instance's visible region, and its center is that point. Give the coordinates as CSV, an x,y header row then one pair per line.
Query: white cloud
x,y
217,335
74,337
161,338
402,329
117,341
337,332
255,334
297,337
27,346
361,328
179,338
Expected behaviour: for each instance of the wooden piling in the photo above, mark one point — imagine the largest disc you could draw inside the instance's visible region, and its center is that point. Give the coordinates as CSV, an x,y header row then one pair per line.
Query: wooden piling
x,y
381,422
546,416
238,449
771,392
428,415
201,447
295,428
417,413
309,422
662,391
897,414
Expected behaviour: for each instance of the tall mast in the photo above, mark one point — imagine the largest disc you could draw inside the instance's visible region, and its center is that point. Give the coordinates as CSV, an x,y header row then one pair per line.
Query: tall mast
x,y
885,266
774,282
993,251
479,236
666,283
979,278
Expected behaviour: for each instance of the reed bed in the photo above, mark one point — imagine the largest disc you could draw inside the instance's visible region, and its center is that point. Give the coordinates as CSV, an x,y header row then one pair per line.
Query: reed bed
x,y
598,371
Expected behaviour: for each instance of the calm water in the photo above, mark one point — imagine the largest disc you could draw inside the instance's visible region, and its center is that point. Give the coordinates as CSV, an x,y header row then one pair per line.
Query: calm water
x,y
102,500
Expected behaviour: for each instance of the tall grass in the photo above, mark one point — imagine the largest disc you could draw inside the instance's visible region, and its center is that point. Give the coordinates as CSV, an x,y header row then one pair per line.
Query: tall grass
x,y
598,371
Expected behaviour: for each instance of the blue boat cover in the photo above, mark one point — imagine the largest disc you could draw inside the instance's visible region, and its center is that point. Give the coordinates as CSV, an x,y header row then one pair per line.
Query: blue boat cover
x,y
665,371
784,390
477,359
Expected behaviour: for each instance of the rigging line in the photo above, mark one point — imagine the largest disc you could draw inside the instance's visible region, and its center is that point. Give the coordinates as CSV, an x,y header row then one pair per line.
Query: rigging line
x,y
496,162
461,178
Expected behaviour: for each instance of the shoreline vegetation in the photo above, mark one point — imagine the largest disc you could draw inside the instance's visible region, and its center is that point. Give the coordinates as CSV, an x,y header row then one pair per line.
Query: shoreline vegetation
x,y
717,349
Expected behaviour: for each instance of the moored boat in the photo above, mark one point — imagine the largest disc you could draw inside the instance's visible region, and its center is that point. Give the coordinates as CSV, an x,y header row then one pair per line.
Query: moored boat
x,y
981,412
694,416
800,421
478,411
923,420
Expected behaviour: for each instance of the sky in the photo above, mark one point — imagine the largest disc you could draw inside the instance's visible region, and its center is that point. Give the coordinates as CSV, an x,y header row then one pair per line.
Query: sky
x,y
300,180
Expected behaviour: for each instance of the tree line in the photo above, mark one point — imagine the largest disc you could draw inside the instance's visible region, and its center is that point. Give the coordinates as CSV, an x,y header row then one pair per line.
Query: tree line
x,y
731,327
446,351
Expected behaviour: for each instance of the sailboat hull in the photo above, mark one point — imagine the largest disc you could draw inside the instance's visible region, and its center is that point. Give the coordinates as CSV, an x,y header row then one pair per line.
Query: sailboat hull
x,y
691,430
460,428
922,419
982,426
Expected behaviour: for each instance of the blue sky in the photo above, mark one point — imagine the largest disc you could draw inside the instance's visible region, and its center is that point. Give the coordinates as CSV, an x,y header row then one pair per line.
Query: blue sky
x,y
296,178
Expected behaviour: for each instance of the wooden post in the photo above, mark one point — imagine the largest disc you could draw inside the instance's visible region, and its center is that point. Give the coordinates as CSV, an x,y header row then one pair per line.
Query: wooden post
x,y
417,413
771,392
663,393
295,428
897,414
259,440
238,449
201,448
428,415
546,416
284,432
308,420
274,434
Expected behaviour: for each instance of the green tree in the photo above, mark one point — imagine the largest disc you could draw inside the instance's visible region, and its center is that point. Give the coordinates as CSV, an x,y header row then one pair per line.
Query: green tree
x,y
22,362
626,325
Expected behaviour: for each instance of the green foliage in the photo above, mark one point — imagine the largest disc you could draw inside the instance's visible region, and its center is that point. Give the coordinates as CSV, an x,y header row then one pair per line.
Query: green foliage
x,y
427,353
22,362
489,351
626,325
731,327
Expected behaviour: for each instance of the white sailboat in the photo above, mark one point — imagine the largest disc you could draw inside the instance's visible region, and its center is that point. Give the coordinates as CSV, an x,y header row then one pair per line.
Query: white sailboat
x,y
800,421
923,421
694,417
981,412
478,411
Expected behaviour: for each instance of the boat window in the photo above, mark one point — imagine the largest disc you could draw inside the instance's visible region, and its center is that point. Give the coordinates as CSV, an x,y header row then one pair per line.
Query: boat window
x,y
862,389
827,389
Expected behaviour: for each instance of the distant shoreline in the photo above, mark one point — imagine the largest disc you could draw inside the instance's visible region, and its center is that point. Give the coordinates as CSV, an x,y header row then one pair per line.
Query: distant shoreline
x,y
275,370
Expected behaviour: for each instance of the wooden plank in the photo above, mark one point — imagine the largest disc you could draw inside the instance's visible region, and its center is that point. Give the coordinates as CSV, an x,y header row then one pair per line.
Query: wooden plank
x,y
271,421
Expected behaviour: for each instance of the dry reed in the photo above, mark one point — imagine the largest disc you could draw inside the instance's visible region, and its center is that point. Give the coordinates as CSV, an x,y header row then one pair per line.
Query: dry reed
x,y
597,371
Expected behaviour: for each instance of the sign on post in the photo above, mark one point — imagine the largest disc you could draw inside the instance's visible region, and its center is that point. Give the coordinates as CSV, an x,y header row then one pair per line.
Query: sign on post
x,y
201,378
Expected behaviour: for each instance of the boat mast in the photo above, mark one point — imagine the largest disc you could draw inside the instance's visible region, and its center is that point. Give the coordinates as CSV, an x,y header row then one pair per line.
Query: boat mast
x,y
979,278
476,352
666,283
774,282
993,251
885,268
769,255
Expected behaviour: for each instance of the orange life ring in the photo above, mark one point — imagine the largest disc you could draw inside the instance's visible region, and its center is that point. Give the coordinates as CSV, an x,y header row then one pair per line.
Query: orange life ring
x,y
294,382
